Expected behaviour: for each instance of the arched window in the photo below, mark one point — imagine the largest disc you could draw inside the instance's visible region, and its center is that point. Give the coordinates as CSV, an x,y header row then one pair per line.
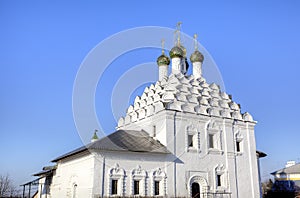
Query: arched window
x,y
158,183
138,181
74,190
116,180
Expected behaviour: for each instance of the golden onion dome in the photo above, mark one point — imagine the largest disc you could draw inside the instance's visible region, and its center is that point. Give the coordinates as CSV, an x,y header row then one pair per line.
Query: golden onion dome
x,y
163,60
176,52
196,56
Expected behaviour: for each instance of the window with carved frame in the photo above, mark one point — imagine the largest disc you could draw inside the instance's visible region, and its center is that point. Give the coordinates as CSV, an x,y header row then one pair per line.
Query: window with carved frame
x,y
238,142
192,139
214,138
116,179
158,183
220,178
138,181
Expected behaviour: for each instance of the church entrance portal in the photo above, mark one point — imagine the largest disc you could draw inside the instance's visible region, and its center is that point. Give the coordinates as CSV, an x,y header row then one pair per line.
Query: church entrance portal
x,y
195,190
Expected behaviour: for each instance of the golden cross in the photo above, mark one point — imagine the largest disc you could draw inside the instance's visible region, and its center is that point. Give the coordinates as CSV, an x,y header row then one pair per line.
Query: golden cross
x,y
195,42
162,46
177,31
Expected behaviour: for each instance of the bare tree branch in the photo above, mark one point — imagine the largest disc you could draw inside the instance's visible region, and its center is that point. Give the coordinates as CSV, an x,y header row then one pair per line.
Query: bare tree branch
x,y
6,186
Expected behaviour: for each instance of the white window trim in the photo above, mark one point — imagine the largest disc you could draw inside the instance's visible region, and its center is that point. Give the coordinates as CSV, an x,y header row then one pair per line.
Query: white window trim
x,y
116,173
220,170
238,137
213,129
140,175
159,175
191,130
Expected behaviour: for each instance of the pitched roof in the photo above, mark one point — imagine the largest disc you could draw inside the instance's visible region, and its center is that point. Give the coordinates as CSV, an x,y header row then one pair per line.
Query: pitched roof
x,y
288,170
123,140
46,171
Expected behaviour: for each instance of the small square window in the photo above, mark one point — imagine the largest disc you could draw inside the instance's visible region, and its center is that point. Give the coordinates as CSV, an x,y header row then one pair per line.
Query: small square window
x,y
211,141
136,187
156,188
190,141
114,187
219,180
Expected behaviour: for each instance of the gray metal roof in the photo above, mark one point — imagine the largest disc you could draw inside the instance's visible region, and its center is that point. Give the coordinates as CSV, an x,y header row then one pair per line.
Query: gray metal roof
x,y
123,140
46,170
260,154
289,170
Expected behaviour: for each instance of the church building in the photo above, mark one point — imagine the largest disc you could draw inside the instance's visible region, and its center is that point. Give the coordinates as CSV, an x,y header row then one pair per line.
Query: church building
x,y
182,137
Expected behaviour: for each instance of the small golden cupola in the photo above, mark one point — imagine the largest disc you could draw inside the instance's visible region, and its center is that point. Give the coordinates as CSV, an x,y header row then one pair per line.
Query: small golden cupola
x,y
163,63
197,59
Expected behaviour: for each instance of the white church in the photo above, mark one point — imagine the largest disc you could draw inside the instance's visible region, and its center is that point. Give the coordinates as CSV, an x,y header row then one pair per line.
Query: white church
x,y
182,137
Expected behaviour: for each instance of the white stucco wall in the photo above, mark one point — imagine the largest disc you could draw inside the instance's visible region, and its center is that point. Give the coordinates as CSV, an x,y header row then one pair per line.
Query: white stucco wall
x,y
92,171
74,175
127,163
240,173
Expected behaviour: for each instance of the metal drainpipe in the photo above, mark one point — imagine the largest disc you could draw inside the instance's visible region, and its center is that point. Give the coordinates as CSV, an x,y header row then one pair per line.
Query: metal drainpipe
x,y
235,167
103,175
175,171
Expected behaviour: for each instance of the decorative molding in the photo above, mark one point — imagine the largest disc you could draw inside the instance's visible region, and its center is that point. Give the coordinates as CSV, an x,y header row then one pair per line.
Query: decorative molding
x,y
119,174
161,176
139,174
213,127
221,170
199,180
238,135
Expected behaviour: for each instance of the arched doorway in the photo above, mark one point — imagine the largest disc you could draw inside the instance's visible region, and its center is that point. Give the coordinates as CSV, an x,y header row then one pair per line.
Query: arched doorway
x,y
195,190
197,187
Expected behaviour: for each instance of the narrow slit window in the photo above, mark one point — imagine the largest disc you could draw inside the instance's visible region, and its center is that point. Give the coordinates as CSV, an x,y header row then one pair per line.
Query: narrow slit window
x,y
211,141
154,130
156,188
74,190
238,146
190,141
219,180
136,187
114,187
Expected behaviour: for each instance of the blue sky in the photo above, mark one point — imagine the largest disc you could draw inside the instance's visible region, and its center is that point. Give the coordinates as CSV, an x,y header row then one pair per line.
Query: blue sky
x,y
254,43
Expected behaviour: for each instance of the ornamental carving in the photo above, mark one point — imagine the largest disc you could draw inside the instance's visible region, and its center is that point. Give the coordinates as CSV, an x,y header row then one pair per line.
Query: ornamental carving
x,y
220,169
